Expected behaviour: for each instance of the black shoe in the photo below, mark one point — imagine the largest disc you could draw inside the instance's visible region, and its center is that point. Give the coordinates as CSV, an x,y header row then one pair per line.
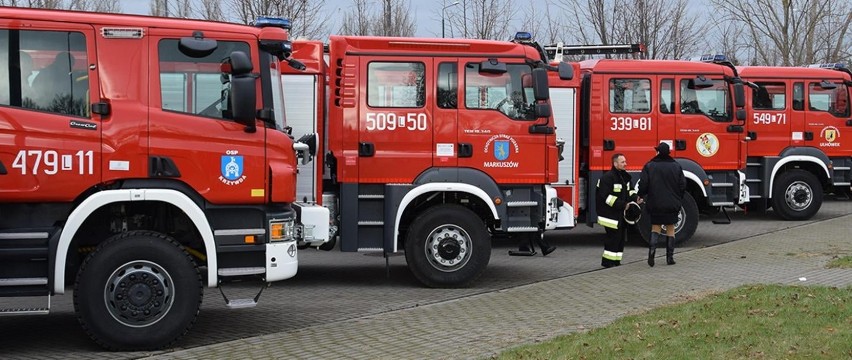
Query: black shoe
x,y
547,250
652,248
670,240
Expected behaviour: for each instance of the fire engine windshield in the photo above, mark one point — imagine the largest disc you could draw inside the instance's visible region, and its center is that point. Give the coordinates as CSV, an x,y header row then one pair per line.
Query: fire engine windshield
x,y
510,93
713,101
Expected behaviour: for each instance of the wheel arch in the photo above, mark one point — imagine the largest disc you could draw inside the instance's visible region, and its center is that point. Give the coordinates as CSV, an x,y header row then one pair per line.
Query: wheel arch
x,y
104,198
810,163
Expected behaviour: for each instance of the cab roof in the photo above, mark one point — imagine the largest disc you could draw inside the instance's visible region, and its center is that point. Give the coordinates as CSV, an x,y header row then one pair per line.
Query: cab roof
x,y
375,45
790,72
619,66
121,20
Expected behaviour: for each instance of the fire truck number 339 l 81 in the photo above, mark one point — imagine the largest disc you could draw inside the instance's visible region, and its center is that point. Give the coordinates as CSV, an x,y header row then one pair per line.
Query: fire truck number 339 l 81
x,y
391,121
51,162
627,123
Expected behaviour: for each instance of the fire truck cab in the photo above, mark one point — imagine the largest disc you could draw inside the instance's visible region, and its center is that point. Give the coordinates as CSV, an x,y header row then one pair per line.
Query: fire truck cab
x,y
143,159
630,106
431,146
796,122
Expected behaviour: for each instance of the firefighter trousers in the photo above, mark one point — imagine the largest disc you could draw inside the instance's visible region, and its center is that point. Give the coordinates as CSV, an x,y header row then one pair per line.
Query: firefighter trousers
x,y
614,246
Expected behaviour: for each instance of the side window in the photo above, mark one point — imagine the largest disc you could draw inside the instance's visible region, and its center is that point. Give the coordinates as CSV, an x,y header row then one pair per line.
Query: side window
x,y
799,96
630,96
45,71
769,96
448,81
396,84
832,100
195,85
712,101
510,93
667,96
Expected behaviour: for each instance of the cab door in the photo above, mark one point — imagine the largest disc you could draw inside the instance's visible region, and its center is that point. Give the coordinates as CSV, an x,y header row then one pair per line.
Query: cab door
x,y
395,124
445,114
496,123
666,120
771,118
827,115
628,125
50,141
704,115
192,136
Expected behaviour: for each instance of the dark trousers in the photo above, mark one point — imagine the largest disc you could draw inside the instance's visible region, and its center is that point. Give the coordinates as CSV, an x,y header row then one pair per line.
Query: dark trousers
x,y
614,246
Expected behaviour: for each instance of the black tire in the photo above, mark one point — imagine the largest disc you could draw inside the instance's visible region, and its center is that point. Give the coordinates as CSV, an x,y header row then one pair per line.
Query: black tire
x,y
447,246
163,279
796,195
684,228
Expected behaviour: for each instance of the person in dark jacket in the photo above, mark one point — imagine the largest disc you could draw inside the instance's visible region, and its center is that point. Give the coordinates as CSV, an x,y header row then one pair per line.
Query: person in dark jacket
x,y
613,195
662,185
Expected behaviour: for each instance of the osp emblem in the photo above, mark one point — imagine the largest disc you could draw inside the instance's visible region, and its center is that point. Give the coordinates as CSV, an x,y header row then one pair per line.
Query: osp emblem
x,y
501,150
831,135
232,169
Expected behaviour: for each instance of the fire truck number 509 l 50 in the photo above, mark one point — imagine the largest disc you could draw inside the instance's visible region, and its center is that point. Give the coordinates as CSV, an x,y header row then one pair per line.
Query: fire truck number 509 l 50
x,y
50,162
627,123
391,121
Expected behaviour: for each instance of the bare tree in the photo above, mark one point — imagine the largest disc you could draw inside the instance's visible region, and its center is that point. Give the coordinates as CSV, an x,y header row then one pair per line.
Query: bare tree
x,y
543,23
211,10
172,8
792,32
392,20
665,27
307,17
482,19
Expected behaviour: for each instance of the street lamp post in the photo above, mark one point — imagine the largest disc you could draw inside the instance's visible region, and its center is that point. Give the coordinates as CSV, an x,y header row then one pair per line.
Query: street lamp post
x,y
444,15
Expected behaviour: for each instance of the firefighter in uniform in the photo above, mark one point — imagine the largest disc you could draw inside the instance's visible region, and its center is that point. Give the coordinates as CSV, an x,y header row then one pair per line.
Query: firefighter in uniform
x,y
613,195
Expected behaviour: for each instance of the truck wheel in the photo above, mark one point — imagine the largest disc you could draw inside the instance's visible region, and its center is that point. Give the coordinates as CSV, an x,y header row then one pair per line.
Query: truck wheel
x,y
447,246
796,195
687,221
139,290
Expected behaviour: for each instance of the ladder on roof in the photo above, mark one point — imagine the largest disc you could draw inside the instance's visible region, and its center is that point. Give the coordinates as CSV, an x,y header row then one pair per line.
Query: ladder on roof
x,y
556,51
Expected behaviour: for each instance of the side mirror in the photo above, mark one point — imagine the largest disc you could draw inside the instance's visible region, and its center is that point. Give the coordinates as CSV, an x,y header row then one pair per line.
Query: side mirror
x,y
566,71
542,110
541,90
243,92
739,97
492,66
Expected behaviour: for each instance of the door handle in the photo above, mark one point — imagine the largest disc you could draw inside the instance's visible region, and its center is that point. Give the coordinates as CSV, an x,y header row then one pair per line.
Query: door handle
x,y
366,149
849,122
609,144
809,135
465,150
680,144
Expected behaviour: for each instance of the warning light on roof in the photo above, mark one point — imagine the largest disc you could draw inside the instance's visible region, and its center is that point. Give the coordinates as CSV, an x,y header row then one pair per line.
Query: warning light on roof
x,y
828,66
523,36
713,58
265,21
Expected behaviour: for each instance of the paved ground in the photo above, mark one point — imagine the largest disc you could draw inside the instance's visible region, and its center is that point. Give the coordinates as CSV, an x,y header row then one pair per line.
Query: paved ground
x,y
341,305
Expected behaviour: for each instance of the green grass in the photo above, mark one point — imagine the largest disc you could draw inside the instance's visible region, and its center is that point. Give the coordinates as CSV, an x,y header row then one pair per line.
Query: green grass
x,y
758,321
842,263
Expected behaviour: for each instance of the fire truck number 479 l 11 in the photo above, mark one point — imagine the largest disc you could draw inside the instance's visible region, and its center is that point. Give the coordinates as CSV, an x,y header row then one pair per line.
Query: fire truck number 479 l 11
x,y
51,162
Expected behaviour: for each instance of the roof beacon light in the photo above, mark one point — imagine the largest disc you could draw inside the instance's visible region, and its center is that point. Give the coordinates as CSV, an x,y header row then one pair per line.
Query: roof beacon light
x,y
713,58
828,66
264,21
523,36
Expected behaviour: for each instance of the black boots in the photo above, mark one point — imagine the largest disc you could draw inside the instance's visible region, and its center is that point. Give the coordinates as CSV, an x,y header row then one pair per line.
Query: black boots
x,y
652,248
545,247
670,240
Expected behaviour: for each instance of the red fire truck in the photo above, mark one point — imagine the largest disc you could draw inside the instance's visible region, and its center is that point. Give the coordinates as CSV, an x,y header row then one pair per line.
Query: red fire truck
x,y
797,121
141,159
434,146
630,106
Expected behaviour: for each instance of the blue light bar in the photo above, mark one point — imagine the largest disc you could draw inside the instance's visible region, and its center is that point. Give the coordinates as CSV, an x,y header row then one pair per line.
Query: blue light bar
x,y
523,36
828,66
264,21
713,58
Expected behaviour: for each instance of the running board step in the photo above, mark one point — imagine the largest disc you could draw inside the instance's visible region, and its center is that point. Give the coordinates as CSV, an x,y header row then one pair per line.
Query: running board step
x,y
23,281
26,310
521,203
241,303
242,271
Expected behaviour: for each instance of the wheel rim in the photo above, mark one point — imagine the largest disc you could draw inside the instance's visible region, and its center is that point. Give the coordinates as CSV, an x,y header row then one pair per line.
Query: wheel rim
x,y
448,248
798,196
139,294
